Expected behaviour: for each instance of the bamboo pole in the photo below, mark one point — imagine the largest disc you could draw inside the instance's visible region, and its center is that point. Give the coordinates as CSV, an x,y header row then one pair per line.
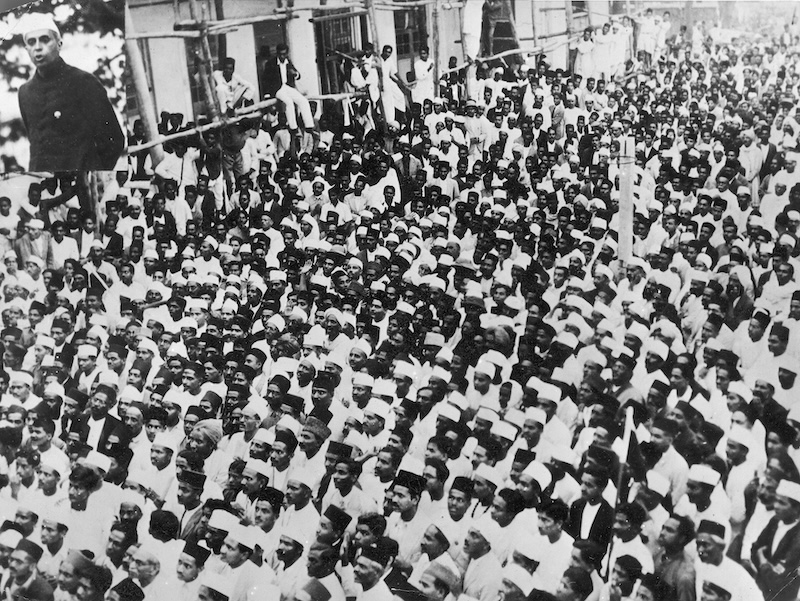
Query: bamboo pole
x,y
161,34
254,111
626,216
206,64
464,55
512,23
376,44
486,59
404,6
568,15
323,18
246,112
435,36
144,99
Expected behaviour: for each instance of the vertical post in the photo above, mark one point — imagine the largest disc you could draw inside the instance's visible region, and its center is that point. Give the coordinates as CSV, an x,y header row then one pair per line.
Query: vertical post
x,y
626,199
436,47
568,15
511,22
464,53
206,64
373,25
688,15
147,109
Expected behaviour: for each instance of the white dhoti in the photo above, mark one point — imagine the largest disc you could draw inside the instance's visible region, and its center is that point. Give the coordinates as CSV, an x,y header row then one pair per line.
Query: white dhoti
x,y
294,101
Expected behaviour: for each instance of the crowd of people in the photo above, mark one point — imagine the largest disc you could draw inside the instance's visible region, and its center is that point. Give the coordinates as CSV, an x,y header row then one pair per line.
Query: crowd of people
x,y
405,357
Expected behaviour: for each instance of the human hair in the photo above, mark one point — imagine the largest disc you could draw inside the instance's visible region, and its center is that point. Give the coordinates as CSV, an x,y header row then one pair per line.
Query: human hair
x,y
46,424
99,576
394,455
164,525
374,521
685,527
556,510
442,472
600,474
85,477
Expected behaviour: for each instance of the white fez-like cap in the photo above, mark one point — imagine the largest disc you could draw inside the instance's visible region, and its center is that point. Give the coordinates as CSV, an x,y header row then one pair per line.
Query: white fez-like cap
x,y
789,489
379,408
87,350
704,474
32,22
490,474
539,473
535,414
519,577
505,430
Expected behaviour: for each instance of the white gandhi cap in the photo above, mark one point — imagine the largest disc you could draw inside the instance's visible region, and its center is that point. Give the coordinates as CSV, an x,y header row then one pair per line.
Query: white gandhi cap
x,y
32,22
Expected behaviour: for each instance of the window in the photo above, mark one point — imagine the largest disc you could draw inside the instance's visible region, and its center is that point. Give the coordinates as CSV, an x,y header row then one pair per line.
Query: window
x,y
410,31
344,34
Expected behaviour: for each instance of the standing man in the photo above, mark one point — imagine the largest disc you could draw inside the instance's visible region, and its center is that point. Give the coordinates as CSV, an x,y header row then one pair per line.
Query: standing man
x,y
279,81
71,124
423,77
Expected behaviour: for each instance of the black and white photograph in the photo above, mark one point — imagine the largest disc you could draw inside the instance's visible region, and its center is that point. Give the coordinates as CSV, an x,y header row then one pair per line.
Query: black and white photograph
x,y
400,300
62,95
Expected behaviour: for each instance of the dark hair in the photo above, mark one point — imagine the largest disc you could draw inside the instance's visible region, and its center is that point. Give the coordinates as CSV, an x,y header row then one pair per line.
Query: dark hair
x,y
374,521
442,473
164,525
600,474
395,455
685,527
46,424
99,576
555,509
84,477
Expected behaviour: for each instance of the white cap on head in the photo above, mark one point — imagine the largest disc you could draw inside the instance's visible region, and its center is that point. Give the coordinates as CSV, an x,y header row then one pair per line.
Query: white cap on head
x,y
789,489
704,474
31,22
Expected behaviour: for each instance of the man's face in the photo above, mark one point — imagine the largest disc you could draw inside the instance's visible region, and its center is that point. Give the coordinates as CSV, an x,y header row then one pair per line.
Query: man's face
x,y
187,569
43,47
20,565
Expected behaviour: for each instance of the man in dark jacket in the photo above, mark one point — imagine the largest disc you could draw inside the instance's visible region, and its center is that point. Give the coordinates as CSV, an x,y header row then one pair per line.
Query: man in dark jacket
x,y
279,81
71,124
25,582
776,552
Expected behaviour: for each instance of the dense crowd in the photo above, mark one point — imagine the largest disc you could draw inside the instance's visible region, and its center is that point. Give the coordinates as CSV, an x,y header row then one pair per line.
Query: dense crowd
x,y
401,356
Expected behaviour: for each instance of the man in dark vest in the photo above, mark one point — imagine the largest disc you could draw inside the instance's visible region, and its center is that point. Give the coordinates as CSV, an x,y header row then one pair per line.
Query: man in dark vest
x,y
71,124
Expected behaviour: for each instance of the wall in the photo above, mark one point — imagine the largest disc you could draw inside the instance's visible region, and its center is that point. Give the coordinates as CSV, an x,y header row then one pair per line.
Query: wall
x,y
167,56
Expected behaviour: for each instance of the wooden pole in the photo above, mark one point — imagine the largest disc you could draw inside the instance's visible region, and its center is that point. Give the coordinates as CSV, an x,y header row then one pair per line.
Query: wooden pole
x,y
626,159
568,14
206,66
161,34
534,51
512,23
376,44
464,54
144,99
435,13
254,110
